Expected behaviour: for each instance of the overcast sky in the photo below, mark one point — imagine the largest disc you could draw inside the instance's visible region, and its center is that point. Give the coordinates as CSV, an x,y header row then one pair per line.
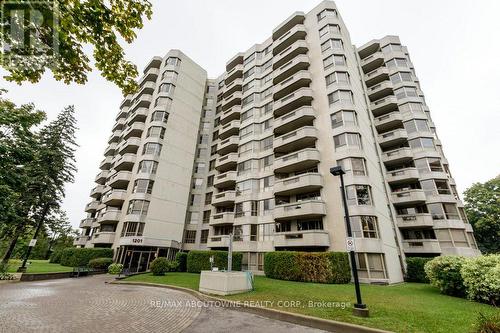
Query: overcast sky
x,y
453,45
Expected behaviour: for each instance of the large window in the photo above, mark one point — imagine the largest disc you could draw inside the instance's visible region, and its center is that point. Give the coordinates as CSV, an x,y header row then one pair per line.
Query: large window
x,y
143,186
371,266
404,92
130,229
341,96
334,60
138,207
338,78
441,211
347,140
332,44
169,75
358,195
173,61
333,28
156,132
310,225
422,143
147,167
391,48
353,165
416,125
160,116
166,88
326,12
204,236
152,148
429,164
343,118
163,101
397,62
189,236
364,226
401,77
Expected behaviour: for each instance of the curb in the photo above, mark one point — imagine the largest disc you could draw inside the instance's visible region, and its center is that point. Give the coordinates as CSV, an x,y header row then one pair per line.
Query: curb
x,y
294,318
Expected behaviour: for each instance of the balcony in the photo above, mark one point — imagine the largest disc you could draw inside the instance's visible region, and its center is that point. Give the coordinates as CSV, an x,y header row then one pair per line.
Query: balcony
x,y
376,76
298,98
397,156
236,60
402,176
106,163
392,138
226,162
298,80
230,114
303,209
299,63
218,241
301,117
414,220
222,218
380,90
304,137
110,149
229,145
408,197
299,47
307,182
296,161
384,105
87,223
147,87
120,179
122,113
306,238
225,180
142,101
114,197
421,246
235,73
115,136
101,177
229,129
110,215
126,101
232,100
81,240
96,192
125,162
139,115
129,146
119,124
298,32
232,87
91,206
224,198
372,62
103,237
151,74
135,130
389,121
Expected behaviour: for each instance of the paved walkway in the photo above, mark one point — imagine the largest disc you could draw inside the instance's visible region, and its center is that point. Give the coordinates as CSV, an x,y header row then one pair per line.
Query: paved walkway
x,y
88,304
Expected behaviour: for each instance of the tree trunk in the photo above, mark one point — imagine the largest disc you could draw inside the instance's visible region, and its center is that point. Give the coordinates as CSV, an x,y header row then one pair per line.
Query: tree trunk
x,y
12,245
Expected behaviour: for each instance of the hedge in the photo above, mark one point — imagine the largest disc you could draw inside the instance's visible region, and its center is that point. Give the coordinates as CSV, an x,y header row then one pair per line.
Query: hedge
x,y
481,278
321,267
198,261
76,257
100,263
55,257
444,272
181,258
415,271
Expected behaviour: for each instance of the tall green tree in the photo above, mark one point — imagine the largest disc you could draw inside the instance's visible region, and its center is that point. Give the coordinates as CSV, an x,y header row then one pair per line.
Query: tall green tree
x,y
57,43
482,204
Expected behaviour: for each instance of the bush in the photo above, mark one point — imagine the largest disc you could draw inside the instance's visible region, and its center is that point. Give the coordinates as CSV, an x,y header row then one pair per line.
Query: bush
x,y
481,278
55,257
80,257
487,323
198,261
100,263
115,269
321,267
181,258
161,265
444,272
415,271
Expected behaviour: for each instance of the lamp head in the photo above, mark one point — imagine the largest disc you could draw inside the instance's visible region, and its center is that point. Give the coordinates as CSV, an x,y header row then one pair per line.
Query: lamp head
x,y
337,170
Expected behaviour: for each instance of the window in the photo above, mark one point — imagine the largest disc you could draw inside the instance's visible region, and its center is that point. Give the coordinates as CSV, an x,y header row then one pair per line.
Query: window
x,y
310,225
336,60
166,88
334,44
266,93
190,236
132,229
160,116
169,75
204,236
267,162
244,167
343,118
326,12
199,167
247,100
147,167
248,73
208,198
152,148
138,207
163,101
441,211
358,195
401,77
391,47
210,180
397,62
156,132
364,226
246,131
342,96
268,183
143,186
249,59
405,92
206,216
416,125
333,28
248,86
425,143
371,265
246,115
197,183
412,107
347,139
353,165
267,143
173,61
430,164
338,78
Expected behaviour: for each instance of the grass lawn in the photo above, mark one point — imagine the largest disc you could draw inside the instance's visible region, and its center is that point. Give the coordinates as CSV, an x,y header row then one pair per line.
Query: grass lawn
x,y
407,307
38,266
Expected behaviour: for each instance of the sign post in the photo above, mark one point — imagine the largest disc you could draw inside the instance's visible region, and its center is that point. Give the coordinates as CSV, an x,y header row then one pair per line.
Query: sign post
x,y
230,253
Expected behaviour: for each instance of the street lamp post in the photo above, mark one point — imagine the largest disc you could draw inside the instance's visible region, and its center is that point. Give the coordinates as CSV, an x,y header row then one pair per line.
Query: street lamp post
x,y
360,308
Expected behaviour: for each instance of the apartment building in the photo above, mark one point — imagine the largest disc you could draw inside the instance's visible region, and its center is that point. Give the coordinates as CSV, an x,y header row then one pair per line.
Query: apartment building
x,y
192,160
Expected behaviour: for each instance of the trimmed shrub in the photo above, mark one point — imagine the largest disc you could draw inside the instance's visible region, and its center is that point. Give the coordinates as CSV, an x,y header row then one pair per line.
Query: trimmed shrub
x,y
321,267
487,323
100,263
444,272
115,269
161,265
76,257
481,278
198,261
55,257
415,271
181,258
